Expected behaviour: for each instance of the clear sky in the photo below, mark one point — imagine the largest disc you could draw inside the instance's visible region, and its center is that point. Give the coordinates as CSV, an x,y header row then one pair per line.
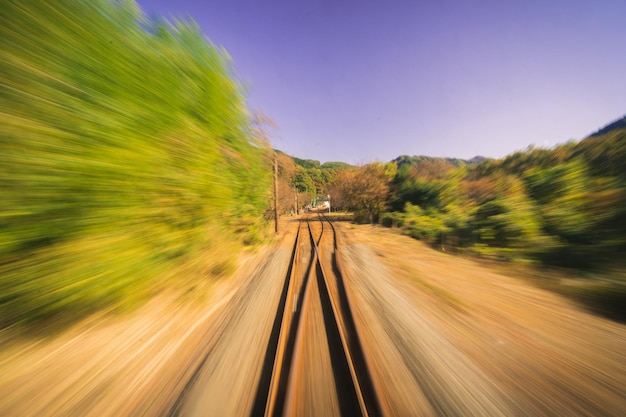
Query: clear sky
x,y
364,80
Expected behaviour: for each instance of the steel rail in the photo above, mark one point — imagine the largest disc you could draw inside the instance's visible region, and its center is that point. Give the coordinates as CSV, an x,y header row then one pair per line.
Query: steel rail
x,y
359,366
350,371
279,359
278,352
294,372
342,330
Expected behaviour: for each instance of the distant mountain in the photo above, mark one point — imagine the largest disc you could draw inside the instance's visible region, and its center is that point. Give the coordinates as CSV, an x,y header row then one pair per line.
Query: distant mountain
x,y
337,166
477,160
306,163
616,125
416,159
401,160
313,163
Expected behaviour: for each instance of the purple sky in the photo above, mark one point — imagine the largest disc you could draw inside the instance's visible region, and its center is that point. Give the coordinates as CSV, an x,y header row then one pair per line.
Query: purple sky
x,y
358,81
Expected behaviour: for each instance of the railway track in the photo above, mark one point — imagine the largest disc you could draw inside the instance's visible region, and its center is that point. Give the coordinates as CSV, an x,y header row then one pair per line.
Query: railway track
x,y
314,363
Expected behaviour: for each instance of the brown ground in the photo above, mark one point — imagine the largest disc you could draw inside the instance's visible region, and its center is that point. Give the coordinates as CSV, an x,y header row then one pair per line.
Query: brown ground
x,y
443,336
474,341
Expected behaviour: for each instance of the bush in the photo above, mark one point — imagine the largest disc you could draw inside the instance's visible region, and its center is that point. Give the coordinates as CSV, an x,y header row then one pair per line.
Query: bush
x,y
393,219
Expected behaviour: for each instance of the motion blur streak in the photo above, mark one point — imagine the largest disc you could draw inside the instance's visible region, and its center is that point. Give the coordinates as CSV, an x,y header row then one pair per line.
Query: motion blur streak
x,y
132,178
126,154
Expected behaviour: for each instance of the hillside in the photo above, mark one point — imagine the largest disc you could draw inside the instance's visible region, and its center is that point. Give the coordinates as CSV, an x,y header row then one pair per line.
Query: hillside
x,y
562,206
616,125
417,159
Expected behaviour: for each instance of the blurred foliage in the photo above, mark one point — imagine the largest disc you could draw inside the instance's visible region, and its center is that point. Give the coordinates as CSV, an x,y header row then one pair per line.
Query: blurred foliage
x,y
126,152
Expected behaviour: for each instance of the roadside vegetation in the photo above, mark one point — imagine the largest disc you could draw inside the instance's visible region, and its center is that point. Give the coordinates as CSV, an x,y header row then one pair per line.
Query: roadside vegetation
x,y
557,208
128,159
564,206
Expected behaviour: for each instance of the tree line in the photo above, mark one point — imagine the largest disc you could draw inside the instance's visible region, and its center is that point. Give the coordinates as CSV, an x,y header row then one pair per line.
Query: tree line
x,y
564,206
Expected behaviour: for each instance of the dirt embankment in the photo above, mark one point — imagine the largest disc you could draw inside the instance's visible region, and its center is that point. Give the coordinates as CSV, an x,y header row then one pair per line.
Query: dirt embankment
x,y
141,362
449,336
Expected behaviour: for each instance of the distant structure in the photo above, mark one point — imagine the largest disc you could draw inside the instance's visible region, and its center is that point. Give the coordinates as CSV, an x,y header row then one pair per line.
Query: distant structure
x,y
321,203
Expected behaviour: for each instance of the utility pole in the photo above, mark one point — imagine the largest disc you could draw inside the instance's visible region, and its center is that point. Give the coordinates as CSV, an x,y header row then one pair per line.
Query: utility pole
x,y
275,195
295,190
